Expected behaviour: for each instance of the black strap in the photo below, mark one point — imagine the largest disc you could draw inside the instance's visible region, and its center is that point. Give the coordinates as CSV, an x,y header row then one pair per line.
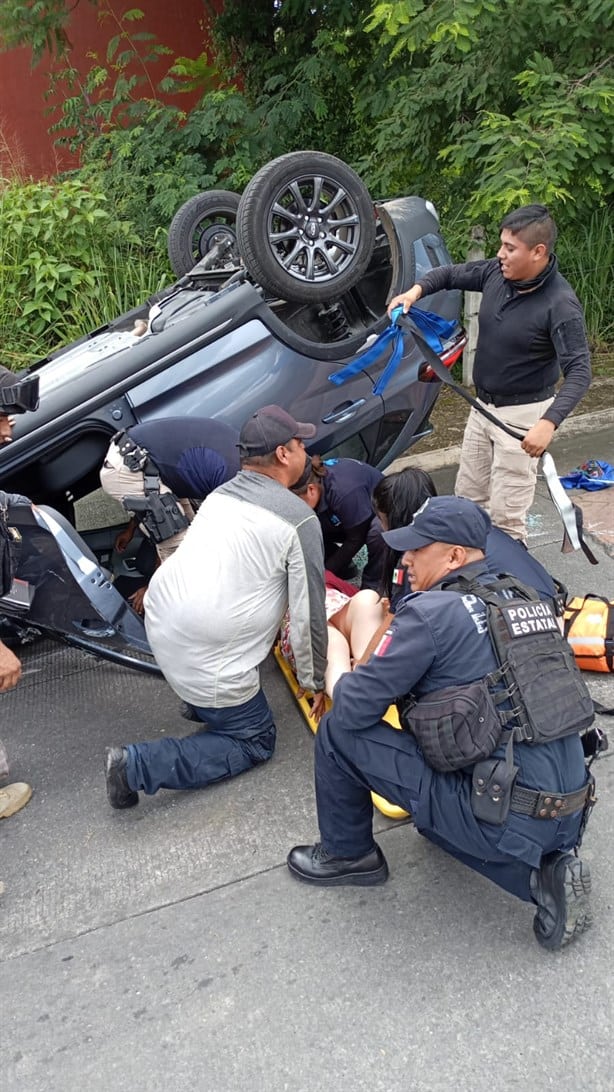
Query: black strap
x,y
602,709
548,805
138,458
442,373
491,592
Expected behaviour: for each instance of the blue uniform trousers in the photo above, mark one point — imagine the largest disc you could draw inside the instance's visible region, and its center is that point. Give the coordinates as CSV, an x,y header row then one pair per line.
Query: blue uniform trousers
x,y
233,739
349,764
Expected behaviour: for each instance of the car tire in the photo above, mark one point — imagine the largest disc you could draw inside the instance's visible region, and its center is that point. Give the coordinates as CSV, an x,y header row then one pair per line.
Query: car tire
x,y
290,244
197,226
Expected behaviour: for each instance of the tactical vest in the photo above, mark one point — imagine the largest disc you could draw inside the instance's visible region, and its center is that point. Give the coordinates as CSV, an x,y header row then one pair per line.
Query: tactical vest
x,y
536,694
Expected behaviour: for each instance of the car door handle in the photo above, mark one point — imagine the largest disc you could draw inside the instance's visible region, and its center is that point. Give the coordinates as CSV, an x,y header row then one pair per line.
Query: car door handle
x,y
344,412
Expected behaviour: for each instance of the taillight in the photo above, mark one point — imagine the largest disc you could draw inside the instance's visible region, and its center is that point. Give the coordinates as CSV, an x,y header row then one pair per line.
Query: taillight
x,y
448,359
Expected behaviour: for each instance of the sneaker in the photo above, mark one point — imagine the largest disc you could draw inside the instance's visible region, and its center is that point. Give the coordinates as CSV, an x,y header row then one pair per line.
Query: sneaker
x,y
118,790
561,888
13,798
314,865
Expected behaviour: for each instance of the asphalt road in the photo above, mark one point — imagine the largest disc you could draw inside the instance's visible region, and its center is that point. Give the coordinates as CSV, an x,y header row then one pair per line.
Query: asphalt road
x,y
167,947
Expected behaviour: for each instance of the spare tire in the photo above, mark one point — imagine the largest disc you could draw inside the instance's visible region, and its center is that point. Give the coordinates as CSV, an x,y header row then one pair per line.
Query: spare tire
x,y
205,225
306,227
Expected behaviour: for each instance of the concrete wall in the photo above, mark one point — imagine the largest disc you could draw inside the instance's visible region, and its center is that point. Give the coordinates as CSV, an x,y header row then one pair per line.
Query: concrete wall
x,y
26,148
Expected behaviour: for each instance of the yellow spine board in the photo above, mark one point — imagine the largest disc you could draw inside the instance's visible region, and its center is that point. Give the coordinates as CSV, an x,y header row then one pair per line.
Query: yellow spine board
x,y
391,811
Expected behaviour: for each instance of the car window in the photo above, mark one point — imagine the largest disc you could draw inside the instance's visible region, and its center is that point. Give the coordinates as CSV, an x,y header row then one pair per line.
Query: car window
x,y
352,448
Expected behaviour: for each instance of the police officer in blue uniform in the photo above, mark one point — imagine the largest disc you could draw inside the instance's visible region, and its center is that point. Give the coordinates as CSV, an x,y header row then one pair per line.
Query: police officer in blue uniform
x,y
439,639
340,491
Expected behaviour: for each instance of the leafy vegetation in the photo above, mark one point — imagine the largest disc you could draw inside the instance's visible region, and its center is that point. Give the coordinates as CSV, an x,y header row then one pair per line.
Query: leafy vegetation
x,y
482,105
66,265
587,260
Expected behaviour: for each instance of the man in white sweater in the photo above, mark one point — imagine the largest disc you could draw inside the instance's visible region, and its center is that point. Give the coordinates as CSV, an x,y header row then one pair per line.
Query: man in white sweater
x,y
213,610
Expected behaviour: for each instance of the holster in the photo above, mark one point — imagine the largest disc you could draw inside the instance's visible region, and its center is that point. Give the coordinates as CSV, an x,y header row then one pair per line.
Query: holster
x,y
591,800
159,513
594,742
492,785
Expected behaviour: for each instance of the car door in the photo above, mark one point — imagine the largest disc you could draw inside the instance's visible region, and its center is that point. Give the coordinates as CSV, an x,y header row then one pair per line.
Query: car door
x,y
249,367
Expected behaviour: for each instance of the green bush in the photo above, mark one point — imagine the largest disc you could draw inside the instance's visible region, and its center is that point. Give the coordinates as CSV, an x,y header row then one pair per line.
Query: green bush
x,y
67,263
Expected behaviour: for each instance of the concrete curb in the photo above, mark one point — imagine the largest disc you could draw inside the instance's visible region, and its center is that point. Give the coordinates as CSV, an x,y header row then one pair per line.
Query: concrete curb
x,y
450,456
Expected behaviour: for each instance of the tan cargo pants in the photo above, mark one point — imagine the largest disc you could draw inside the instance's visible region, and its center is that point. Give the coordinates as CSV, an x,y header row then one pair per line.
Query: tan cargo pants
x,y
494,471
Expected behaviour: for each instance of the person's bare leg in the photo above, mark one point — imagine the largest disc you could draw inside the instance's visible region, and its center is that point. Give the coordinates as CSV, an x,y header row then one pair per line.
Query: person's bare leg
x,y
365,613
350,631
338,661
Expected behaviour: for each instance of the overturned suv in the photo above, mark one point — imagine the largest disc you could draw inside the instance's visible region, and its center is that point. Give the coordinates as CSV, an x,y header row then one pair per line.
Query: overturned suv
x,y
278,290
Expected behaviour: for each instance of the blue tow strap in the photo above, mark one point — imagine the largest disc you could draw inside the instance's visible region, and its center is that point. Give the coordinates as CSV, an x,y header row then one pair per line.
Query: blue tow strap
x,y
434,329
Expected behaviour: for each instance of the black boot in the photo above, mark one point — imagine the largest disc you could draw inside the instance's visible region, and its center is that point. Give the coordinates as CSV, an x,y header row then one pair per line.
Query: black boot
x,y
118,790
561,888
314,865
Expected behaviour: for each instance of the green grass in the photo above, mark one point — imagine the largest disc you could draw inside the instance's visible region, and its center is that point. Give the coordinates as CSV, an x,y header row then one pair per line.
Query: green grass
x,y
586,258
126,278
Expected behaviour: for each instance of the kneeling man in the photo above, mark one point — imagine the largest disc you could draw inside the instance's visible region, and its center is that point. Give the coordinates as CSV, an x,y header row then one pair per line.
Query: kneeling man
x,y
516,815
213,610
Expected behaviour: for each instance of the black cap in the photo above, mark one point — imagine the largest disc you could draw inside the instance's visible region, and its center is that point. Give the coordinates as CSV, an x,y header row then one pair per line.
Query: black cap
x,y
269,427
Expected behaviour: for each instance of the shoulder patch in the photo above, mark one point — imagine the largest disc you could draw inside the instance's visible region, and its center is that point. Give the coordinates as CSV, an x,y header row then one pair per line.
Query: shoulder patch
x,y
384,644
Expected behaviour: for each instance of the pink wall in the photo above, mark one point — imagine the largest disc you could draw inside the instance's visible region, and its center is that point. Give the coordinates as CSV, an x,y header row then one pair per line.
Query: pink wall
x,y
26,148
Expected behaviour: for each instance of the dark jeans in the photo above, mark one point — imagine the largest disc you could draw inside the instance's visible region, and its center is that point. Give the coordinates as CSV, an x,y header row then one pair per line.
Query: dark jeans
x,y
235,739
348,765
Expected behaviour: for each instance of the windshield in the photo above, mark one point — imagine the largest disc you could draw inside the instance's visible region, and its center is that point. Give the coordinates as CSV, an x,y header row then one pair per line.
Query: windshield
x,y
84,357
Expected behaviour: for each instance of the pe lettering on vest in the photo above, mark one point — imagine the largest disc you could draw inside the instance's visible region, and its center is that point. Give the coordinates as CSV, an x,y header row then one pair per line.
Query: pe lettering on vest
x,y
524,618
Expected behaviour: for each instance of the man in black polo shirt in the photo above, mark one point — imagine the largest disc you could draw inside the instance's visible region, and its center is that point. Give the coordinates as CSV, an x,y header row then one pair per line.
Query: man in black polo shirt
x,y
531,329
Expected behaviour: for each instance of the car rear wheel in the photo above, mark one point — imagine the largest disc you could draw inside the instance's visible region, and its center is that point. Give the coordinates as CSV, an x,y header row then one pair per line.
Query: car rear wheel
x,y
306,227
204,230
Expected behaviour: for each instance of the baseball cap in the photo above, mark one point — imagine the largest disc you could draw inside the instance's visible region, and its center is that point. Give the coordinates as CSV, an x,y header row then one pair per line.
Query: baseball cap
x,y
269,427
454,520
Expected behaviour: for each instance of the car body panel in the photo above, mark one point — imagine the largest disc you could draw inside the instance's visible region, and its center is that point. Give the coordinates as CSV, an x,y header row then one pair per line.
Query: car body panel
x,y
60,588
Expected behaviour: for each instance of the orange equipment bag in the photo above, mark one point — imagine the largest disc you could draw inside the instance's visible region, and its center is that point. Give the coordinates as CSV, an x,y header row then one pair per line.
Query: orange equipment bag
x,y
589,628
